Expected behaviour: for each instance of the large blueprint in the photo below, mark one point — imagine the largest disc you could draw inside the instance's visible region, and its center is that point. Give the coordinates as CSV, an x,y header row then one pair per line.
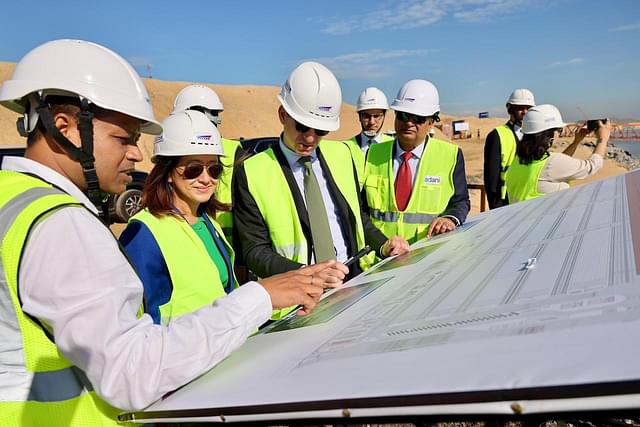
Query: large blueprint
x,y
529,308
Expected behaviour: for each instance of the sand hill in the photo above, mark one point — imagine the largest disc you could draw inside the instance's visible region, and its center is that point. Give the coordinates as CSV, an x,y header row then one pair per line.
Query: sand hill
x,y
250,111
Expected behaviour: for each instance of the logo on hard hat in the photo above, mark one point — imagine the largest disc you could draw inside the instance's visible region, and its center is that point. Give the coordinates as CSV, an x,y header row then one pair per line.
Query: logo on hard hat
x,y
202,139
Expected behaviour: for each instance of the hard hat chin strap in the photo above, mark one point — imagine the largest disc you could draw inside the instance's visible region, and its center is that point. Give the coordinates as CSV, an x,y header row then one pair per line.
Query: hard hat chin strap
x,y
83,156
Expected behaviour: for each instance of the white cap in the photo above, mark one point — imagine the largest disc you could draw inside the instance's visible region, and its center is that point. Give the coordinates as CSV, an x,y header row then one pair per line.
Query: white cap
x,y
419,97
312,96
83,69
197,96
541,118
187,133
522,97
372,98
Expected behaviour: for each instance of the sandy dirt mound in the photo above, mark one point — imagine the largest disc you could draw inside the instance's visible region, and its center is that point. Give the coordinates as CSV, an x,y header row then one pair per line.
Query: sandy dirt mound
x,y
251,111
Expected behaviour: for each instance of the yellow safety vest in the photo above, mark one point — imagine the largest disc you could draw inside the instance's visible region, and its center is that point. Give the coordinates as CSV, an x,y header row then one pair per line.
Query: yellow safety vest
x,y
223,192
522,180
507,153
432,189
194,276
269,188
43,388
359,157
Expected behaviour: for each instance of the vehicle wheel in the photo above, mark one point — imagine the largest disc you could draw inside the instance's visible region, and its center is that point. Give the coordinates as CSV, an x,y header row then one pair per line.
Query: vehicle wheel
x,y
127,204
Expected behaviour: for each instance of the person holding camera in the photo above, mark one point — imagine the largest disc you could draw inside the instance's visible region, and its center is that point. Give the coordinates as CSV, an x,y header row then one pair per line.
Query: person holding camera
x,y
535,171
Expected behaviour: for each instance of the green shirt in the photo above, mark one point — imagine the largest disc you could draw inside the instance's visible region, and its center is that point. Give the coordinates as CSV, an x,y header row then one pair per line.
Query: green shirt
x,y
203,233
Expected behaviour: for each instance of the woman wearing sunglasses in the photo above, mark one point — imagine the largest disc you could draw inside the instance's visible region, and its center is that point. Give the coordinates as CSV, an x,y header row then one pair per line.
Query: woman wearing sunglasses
x,y
175,244
535,171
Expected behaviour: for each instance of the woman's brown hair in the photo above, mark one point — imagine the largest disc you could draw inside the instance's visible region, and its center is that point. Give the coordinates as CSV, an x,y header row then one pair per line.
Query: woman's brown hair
x,y
534,146
157,195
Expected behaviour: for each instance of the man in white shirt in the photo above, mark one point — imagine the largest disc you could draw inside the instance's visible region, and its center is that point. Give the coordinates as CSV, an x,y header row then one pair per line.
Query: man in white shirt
x,y
74,344
372,107
298,202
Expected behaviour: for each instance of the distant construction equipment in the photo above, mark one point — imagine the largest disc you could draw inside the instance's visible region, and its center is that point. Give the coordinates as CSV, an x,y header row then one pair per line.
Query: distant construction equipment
x,y
618,130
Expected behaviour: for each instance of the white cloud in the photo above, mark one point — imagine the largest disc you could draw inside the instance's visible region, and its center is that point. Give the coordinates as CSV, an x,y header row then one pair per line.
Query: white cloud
x,y
628,27
572,61
372,64
422,13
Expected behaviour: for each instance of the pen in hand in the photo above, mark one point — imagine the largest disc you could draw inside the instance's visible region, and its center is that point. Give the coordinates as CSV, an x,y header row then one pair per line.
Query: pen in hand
x,y
357,256
364,251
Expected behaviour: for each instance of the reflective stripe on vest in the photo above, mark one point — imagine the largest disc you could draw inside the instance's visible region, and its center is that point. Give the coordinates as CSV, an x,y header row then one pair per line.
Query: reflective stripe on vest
x,y
194,276
432,190
507,153
39,386
522,180
224,190
359,157
407,218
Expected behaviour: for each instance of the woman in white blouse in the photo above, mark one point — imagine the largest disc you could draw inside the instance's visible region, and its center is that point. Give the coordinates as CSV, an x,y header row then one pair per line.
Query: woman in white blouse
x,y
535,171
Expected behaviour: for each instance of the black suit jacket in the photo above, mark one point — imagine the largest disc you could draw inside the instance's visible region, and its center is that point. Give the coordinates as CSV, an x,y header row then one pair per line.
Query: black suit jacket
x,y
492,159
255,243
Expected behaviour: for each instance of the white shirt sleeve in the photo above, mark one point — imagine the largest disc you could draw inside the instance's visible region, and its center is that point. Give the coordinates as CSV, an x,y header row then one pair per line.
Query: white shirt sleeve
x,y
561,168
74,277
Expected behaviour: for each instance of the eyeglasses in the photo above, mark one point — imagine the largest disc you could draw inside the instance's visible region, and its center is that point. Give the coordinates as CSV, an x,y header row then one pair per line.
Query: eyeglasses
x,y
371,116
405,117
304,129
194,169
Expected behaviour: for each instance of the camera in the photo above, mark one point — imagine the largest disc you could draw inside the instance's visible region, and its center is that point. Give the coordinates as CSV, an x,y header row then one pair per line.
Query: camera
x,y
593,124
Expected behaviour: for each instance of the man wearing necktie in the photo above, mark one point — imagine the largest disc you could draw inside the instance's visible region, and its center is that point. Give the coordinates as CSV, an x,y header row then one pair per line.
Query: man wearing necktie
x,y
415,186
371,107
299,202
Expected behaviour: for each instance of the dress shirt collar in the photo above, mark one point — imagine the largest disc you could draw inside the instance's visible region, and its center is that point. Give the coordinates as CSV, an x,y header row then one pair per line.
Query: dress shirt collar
x,y
364,138
293,157
21,164
417,152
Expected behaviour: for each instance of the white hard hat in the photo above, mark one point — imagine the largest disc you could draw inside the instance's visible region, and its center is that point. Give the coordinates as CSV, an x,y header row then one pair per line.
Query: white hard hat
x,y
197,96
541,118
522,97
418,97
312,96
187,133
372,98
78,68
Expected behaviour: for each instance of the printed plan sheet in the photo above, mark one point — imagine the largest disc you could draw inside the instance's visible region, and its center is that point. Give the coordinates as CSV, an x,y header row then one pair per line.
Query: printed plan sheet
x,y
534,302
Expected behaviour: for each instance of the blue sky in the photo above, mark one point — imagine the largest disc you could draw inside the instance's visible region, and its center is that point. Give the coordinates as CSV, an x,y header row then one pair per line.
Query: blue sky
x,y
582,56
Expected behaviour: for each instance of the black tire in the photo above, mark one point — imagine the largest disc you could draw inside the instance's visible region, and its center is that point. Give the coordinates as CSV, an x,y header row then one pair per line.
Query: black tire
x,y
127,204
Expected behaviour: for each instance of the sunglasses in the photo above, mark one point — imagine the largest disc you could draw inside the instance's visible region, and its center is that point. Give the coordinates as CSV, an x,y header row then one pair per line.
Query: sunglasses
x,y
205,110
194,169
304,129
405,117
